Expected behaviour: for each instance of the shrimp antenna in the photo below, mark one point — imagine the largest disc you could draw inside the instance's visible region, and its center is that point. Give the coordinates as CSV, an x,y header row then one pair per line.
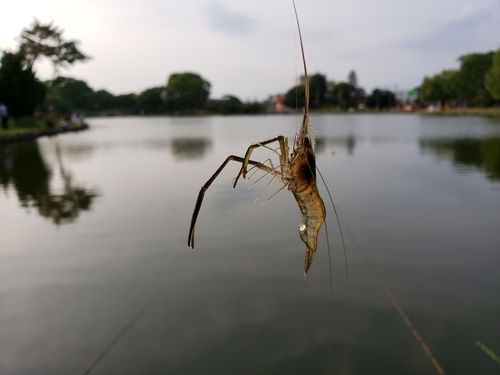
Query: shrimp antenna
x,y
306,83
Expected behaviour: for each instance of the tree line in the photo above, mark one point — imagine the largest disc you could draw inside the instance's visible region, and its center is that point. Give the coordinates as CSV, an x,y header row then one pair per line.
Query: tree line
x,y
185,93
339,95
476,83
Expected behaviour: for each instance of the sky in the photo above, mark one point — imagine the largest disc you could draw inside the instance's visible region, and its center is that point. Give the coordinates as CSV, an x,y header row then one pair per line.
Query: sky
x,y
250,49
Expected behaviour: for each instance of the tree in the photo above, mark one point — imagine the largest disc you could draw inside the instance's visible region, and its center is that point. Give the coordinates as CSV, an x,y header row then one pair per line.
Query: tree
x,y
492,79
20,90
317,87
47,40
381,99
345,95
471,78
440,88
352,78
295,98
229,104
69,94
102,100
187,92
126,102
153,100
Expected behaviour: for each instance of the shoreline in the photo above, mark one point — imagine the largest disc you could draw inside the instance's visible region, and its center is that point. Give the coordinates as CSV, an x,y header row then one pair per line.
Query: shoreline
x,y
28,135
24,135
484,112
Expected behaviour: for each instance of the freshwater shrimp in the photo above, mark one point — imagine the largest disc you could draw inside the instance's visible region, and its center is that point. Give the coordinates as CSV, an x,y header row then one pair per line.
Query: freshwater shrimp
x,y
296,173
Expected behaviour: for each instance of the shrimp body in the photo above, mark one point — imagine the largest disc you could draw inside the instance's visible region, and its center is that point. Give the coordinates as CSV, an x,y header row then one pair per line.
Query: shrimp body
x,y
302,184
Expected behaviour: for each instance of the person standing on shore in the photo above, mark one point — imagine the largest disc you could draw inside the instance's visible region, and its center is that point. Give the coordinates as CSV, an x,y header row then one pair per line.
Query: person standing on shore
x,y
4,114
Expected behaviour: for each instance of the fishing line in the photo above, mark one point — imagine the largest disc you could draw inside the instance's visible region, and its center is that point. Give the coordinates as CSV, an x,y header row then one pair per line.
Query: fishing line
x,y
378,276
330,37
332,316
330,360
393,300
120,334
296,80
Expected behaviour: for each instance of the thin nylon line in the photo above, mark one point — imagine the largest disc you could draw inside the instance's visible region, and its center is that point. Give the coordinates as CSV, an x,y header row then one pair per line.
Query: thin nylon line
x,y
330,37
296,84
394,301
329,262
120,335
340,228
330,357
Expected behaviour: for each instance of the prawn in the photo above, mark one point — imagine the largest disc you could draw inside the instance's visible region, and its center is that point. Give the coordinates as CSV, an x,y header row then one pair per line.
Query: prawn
x,y
296,173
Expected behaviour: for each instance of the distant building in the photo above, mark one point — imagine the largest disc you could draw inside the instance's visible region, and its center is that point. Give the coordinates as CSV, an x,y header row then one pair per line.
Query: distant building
x,y
276,105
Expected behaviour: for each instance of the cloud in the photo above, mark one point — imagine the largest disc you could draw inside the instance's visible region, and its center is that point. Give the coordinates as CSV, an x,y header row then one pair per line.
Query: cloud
x,y
459,30
222,18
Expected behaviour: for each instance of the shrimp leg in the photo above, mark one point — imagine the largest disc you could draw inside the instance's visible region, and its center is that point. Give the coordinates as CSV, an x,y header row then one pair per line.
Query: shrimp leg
x,y
283,142
205,187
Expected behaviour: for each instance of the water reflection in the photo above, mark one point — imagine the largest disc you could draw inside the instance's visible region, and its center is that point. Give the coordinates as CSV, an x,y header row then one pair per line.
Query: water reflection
x,y
79,151
23,168
482,154
349,143
190,148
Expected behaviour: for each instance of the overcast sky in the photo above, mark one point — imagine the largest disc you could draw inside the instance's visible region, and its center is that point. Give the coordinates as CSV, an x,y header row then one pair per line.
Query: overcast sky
x,y
250,48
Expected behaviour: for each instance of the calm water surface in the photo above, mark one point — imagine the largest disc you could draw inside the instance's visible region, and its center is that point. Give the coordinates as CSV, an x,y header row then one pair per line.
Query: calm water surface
x,y
93,243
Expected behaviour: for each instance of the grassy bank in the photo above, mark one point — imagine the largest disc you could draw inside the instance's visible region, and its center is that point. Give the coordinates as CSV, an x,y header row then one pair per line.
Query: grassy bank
x,y
30,128
23,125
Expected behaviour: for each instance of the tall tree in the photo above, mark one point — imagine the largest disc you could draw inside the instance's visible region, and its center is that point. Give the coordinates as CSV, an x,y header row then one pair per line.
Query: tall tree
x,y
471,77
20,90
492,80
47,40
187,92
352,78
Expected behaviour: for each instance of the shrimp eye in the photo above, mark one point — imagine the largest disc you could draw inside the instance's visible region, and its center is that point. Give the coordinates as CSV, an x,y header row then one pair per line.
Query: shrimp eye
x,y
306,141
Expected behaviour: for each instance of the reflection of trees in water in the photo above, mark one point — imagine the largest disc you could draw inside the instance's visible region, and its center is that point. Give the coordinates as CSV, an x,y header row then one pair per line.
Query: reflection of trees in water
x,y
348,142
190,148
78,151
22,166
482,154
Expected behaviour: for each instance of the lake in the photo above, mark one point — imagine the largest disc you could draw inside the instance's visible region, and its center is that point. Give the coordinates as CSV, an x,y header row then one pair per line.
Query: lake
x,y
96,275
